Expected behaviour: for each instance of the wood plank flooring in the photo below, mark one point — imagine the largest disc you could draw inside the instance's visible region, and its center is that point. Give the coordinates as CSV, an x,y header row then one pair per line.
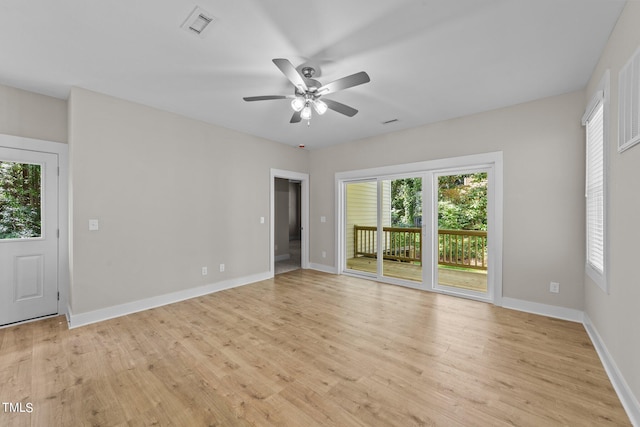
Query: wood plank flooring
x,y
309,349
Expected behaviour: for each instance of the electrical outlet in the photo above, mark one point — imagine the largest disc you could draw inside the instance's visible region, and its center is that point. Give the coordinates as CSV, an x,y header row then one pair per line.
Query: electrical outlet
x,y
221,268
205,271
554,287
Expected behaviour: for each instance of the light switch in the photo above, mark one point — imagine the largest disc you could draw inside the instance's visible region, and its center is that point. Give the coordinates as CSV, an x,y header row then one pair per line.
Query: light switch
x,y
94,225
323,219
261,220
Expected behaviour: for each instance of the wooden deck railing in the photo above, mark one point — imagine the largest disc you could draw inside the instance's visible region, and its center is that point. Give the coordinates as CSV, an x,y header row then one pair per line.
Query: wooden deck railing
x,y
460,248
463,248
399,243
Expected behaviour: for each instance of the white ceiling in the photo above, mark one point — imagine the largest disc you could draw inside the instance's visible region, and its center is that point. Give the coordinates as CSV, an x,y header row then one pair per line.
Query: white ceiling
x,y
429,60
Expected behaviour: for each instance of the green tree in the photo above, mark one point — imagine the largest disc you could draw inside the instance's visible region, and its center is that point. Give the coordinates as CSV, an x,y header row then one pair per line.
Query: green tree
x,y
19,200
406,201
462,202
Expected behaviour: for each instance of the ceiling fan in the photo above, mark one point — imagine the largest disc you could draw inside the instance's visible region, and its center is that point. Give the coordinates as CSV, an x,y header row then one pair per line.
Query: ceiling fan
x,y
308,91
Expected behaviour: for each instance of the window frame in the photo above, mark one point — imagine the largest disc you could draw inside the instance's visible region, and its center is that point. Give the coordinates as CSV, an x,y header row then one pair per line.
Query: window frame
x,y
629,103
600,97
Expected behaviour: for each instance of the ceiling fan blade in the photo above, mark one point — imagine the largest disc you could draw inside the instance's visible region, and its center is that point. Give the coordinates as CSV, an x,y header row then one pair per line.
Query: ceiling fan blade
x,y
265,98
345,82
291,73
340,107
296,117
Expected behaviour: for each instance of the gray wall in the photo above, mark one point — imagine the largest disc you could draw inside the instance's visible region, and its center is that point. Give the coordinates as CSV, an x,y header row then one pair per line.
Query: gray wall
x,y
172,195
616,316
542,142
32,115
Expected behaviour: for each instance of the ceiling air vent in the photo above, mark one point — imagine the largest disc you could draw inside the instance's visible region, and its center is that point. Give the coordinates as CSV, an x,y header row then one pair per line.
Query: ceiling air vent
x,y
198,22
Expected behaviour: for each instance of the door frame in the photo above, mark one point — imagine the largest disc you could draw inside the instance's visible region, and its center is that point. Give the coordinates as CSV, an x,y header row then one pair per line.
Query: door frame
x,y
427,168
304,215
62,151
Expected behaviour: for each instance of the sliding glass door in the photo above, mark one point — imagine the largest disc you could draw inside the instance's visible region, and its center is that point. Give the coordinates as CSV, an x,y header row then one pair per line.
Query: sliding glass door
x,y
401,240
433,225
361,225
383,228
461,221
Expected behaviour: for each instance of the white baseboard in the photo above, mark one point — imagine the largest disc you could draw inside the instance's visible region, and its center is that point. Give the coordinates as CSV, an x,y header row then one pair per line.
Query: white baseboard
x,y
543,309
627,398
282,257
324,268
82,319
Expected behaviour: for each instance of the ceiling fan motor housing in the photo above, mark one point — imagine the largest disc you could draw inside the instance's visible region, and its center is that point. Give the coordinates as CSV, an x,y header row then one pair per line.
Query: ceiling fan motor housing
x,y
312,86
308,72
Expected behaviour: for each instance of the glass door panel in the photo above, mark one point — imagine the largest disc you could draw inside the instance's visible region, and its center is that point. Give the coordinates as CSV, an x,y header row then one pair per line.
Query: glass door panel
x,y
462,232
401,239
20,200
361,222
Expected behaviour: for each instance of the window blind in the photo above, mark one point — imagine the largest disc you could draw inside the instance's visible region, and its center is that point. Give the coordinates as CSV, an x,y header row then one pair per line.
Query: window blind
x,y
595,188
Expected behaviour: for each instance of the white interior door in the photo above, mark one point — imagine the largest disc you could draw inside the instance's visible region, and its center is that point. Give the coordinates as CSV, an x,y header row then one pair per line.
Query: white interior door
x,y
28,234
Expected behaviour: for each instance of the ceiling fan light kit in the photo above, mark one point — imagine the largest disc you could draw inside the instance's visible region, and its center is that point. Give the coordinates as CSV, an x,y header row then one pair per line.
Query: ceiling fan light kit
x,y
298,103
308,91
320,107
305,114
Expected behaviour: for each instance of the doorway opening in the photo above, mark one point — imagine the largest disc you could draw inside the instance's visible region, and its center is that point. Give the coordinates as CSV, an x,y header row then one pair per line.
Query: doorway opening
x,y
288,225
289,235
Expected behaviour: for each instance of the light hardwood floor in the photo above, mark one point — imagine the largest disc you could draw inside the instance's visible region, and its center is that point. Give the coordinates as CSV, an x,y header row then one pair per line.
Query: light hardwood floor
x,y
306,349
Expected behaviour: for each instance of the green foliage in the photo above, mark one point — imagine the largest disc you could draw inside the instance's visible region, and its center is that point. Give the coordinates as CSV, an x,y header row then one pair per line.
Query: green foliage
x,y
462,202
406,202
462,205
19,200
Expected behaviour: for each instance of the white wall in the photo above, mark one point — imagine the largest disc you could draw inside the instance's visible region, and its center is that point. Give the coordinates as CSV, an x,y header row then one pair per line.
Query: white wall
x,y
172,195
542,142
32,115
616,316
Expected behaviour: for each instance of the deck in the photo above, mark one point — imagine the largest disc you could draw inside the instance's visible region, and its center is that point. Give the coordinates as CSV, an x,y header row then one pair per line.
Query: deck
x,y
470,280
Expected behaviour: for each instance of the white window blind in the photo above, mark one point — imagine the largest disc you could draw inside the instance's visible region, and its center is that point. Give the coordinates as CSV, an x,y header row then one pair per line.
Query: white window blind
x,y
595,188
